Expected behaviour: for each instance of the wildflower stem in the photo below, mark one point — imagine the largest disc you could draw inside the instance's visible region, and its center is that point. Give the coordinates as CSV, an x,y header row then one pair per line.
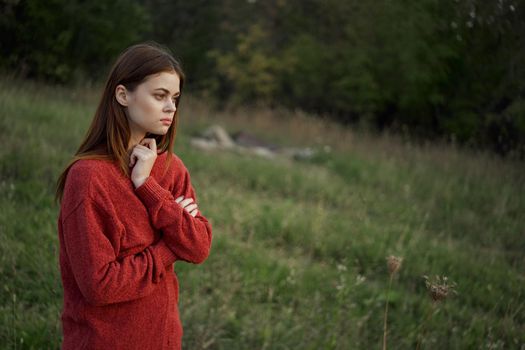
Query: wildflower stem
x,y
386,312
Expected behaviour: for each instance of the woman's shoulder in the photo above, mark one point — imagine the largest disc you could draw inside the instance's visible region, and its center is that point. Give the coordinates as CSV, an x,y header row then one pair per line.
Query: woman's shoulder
x,y
89,164
82,175
86,169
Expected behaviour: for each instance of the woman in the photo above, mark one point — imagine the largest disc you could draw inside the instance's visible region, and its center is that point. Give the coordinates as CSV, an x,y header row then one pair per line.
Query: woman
x,y
128,211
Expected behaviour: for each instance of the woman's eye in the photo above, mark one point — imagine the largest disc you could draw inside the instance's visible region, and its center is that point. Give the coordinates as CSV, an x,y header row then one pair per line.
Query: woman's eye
x,y
160,97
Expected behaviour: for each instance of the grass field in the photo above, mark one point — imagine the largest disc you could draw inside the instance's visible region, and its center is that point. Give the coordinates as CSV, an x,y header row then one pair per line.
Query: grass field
x,y
299,248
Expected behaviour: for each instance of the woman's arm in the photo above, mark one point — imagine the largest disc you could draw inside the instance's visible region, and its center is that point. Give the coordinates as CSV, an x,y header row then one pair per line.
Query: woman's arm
x,y
189,237
102,278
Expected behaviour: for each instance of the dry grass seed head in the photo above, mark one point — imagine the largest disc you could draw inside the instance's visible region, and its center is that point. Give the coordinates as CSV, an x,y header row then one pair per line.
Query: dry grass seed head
x,y
439,287
394,263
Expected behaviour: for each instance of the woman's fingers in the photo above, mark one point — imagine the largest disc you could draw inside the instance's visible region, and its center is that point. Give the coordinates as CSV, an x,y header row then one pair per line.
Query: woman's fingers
x,y
191,207
133,157
136,154
185,203
142,149
150,143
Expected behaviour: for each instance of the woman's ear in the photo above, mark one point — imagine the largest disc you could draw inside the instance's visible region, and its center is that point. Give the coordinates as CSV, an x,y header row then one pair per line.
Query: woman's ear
x,y
121,95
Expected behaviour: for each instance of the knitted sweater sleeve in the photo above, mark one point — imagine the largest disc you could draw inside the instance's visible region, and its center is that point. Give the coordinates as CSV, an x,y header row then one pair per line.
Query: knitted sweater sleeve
x,y
188,237
101,276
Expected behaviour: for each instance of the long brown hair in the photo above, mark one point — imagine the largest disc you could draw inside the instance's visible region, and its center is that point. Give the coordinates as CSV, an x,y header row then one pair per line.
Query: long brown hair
x,y
108,136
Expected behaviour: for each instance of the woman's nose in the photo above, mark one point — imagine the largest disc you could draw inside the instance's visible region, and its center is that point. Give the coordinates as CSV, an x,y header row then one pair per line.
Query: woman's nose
x,y
171,106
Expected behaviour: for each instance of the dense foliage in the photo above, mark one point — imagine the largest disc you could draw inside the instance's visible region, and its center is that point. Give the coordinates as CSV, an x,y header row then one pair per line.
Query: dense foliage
x,y
432,68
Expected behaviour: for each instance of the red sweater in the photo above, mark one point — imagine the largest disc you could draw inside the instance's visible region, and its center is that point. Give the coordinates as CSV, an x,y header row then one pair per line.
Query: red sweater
x,y
118,244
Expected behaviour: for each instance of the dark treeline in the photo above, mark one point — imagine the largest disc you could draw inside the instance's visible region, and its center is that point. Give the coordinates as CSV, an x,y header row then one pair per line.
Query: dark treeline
x,y
432,68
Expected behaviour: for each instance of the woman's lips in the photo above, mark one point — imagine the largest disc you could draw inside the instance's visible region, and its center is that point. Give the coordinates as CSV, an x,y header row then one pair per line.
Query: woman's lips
x,y
166,121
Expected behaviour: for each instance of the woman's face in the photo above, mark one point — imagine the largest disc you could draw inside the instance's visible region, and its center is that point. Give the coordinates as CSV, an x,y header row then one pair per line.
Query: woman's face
x,y
151,107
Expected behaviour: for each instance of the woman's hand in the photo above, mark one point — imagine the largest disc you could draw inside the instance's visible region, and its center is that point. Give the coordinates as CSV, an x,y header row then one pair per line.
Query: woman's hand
x,y
142,157
185,203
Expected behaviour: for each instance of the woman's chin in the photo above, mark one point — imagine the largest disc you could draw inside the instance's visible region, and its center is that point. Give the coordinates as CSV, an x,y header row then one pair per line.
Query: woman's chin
x,y
163,130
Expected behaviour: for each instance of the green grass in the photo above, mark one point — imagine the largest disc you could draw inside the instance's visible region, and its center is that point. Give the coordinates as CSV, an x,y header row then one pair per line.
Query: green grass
x,y
282,228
